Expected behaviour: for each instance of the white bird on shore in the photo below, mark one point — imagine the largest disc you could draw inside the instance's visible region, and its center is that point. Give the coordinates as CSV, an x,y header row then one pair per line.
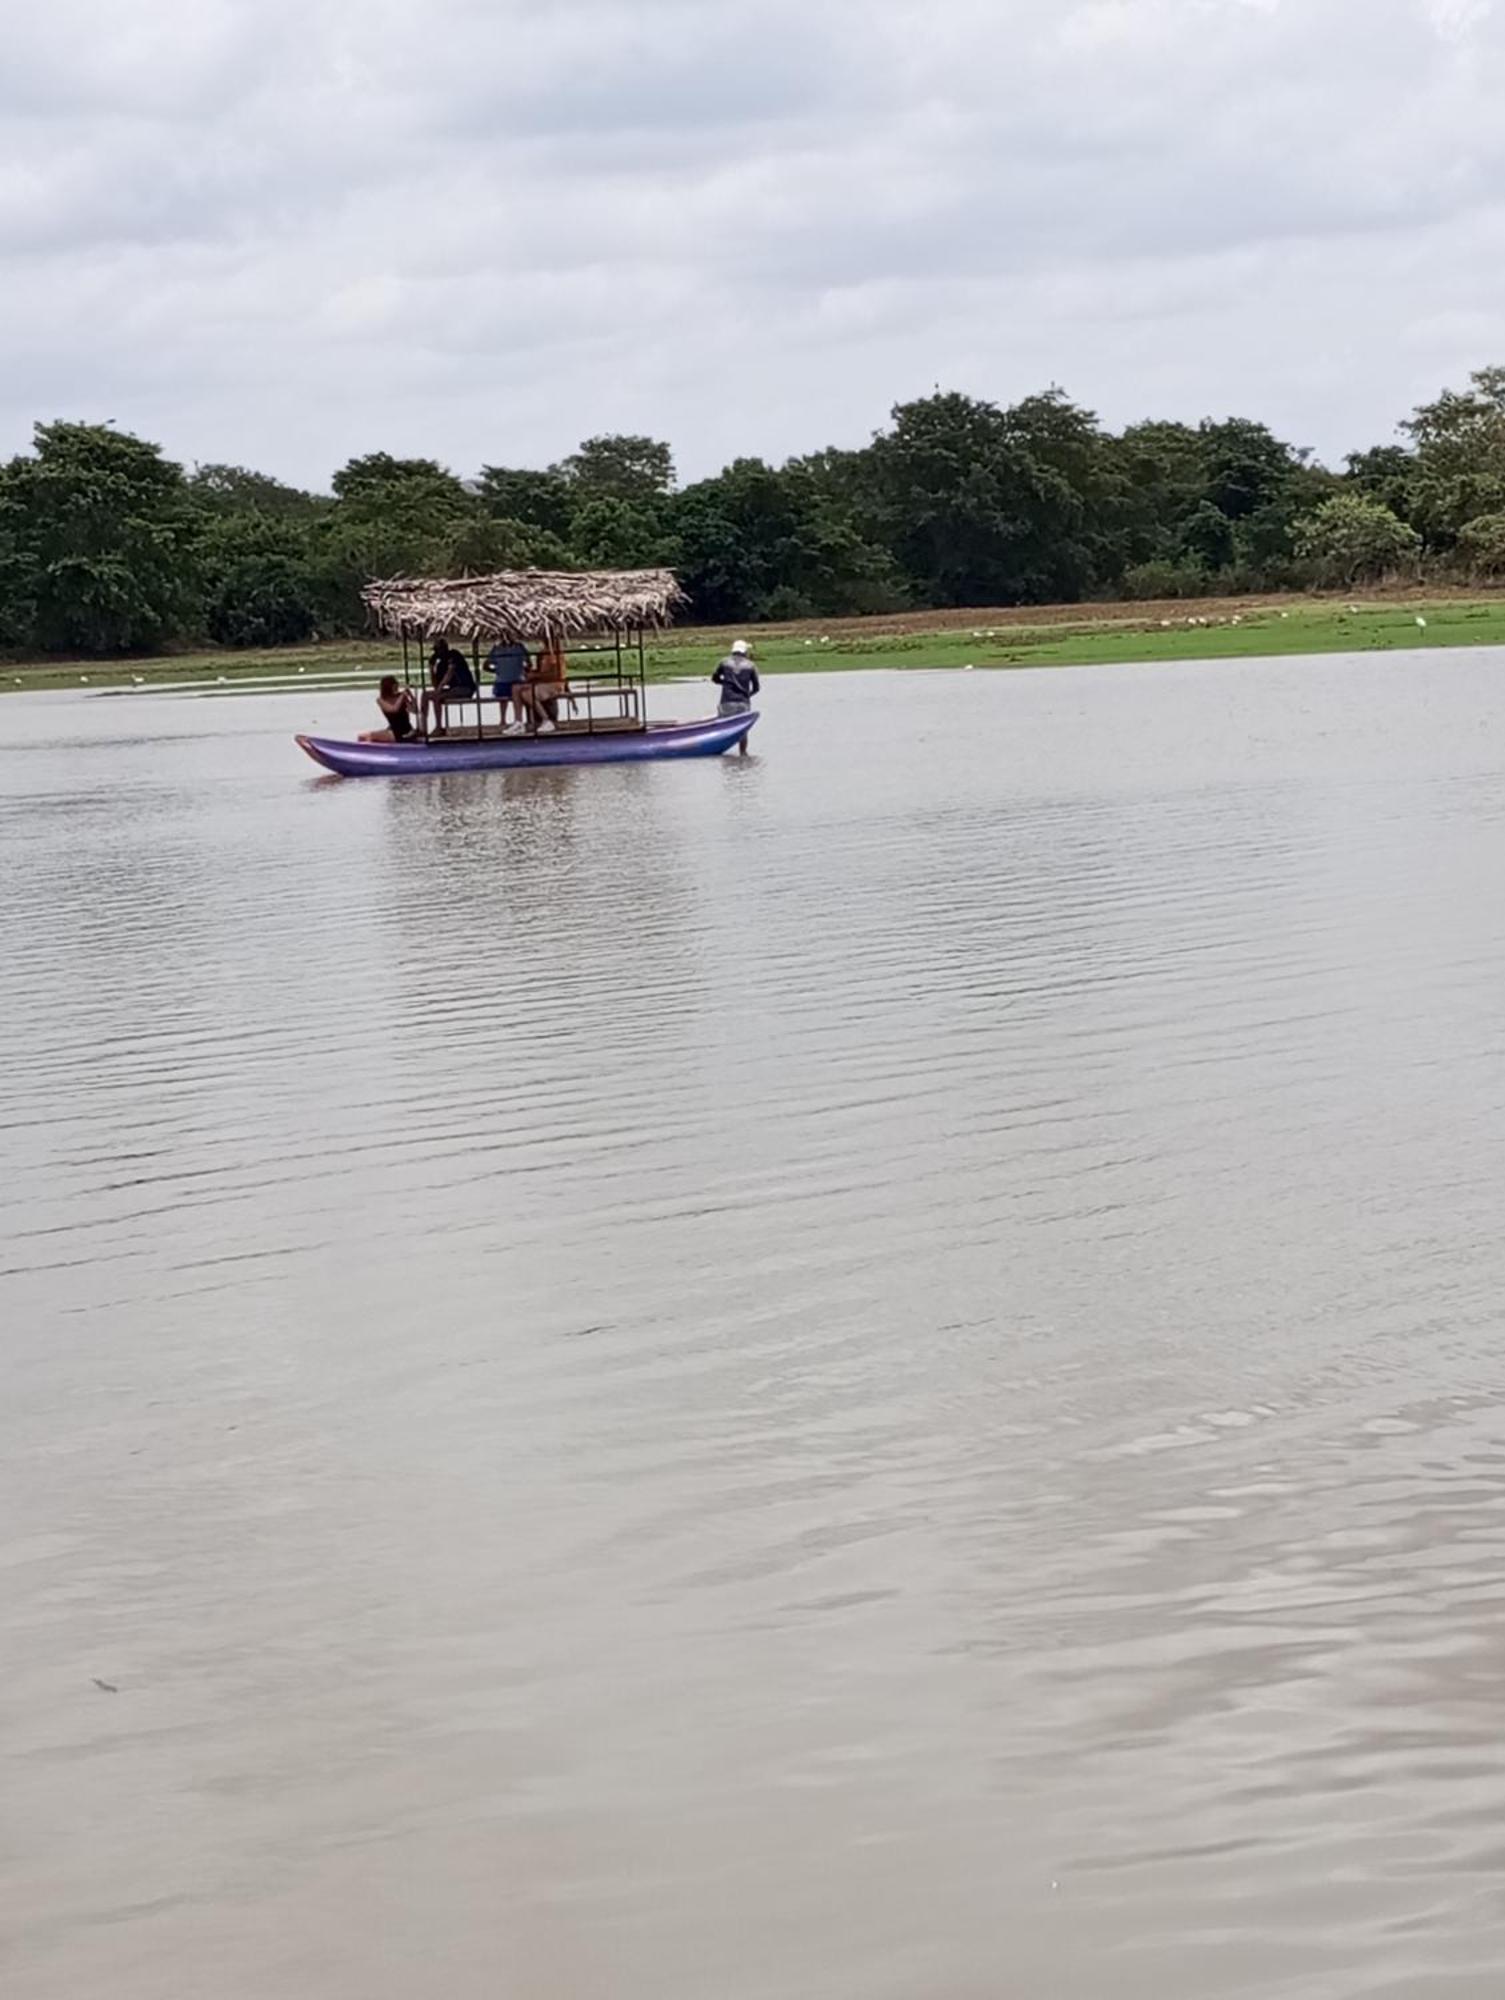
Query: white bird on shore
x,y
1421,622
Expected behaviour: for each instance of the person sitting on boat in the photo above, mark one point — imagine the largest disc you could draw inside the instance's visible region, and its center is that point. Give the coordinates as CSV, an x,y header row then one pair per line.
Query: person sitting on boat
x,y
548,684
396,704
452,680
737,678
508,666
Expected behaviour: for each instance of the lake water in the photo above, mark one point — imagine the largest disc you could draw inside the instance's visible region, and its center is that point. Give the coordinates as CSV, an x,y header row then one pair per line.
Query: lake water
x,y
874,1373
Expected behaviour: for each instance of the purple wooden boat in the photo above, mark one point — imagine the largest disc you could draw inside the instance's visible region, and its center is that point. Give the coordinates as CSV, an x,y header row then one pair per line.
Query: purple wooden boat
x,y
591,711
415,758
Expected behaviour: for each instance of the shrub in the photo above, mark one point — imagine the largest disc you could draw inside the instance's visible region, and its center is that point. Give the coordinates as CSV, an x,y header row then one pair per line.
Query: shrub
x,y
1353,539
1481,543
1150,580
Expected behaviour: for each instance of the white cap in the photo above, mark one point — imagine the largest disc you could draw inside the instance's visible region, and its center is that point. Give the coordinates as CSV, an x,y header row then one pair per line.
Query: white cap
x,y
741,647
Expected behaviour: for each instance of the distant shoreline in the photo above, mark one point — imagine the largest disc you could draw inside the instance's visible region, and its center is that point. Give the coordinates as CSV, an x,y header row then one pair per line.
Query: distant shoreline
x,y
1208,629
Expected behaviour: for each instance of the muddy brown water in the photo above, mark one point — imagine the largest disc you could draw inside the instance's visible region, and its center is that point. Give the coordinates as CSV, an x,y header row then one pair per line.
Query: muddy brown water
x,y
877,1371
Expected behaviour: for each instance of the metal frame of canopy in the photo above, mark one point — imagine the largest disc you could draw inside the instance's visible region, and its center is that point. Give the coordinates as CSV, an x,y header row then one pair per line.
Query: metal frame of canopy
x,y
616,700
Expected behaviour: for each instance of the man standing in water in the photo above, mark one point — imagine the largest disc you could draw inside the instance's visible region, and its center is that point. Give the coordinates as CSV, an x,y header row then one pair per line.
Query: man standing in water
x,y
737,678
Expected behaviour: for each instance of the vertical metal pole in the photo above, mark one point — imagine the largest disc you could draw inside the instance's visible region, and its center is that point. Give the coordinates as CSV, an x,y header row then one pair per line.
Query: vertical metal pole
x,y
423,713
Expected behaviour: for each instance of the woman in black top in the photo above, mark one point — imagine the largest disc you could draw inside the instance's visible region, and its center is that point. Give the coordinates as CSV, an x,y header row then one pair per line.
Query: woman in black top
x,y
396,704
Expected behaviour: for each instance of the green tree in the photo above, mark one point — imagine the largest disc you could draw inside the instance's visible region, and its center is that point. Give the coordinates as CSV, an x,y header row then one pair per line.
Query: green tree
x,y
1217,500
260,582
1245,466
762,542
620,534
970,512
1463,430
1481,543
1163,482
20,568
413,503
1352,539
619,468
234,489
96,542
542,500
1387,473
1206,539
479,542
1459,443
391,517
1264,542
1080,528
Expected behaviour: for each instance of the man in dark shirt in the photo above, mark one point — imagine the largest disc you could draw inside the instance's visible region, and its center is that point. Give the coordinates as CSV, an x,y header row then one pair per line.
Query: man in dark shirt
x,y
452,680
737,678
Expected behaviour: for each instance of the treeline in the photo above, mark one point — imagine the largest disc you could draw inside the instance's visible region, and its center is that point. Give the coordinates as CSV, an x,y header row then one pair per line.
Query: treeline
x,y
106,546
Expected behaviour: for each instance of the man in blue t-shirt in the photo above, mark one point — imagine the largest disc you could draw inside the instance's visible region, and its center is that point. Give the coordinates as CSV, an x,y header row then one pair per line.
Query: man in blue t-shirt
x,y
508,665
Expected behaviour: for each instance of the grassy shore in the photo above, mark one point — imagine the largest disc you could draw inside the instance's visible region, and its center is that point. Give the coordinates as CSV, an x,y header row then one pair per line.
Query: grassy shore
x,y
1053,636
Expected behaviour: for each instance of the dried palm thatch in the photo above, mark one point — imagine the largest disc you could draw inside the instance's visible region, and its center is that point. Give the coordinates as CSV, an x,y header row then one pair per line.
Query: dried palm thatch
x,y
524,604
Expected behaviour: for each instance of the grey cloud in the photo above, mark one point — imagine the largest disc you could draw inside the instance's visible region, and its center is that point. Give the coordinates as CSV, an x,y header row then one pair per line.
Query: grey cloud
x,y
286,233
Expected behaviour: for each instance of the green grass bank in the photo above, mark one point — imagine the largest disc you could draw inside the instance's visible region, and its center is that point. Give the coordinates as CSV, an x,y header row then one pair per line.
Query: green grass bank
x,y
1076,635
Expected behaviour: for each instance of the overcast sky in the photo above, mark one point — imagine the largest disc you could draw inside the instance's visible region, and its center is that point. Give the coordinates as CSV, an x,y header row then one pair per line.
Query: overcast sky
x,y
281,232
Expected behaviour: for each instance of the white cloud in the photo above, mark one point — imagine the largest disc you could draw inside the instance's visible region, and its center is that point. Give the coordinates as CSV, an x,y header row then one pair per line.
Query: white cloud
x,y
286,232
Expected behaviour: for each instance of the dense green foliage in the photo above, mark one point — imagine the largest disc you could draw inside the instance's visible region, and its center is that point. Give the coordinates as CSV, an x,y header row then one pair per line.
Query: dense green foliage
x,y
1352,538
108,547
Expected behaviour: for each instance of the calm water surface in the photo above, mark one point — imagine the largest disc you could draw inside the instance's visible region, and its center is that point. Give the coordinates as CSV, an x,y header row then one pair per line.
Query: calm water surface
x,y
870,1374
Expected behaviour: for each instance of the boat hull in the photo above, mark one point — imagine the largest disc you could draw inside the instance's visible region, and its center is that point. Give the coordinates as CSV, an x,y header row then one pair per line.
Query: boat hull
x,y
711,738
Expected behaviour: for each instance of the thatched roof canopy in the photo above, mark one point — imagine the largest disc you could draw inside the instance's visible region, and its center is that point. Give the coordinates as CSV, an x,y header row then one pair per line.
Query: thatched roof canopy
x,y
524,603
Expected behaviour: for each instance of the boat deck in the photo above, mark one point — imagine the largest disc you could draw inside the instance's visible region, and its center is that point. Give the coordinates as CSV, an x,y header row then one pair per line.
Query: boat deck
x,y
493,732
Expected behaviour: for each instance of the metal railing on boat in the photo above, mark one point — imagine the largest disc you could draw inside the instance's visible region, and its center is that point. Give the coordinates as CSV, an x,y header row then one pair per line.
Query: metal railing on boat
x,y
587,704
